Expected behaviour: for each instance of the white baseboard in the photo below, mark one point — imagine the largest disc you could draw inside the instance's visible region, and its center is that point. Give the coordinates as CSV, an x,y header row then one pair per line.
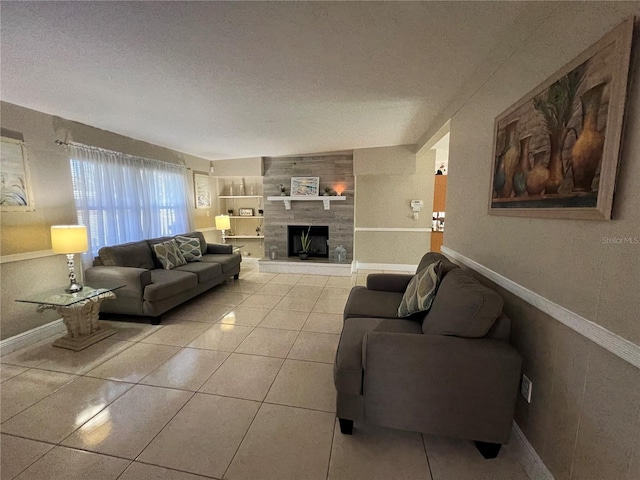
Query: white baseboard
x,y
390,267
608,340
32,336
528,457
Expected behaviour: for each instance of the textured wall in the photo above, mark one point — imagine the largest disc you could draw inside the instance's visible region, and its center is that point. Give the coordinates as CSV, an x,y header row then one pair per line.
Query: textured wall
x,y
332,170
584,419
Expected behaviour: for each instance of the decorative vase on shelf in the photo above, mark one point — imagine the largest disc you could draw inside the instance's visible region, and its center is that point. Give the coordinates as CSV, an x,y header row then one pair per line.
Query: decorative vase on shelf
x,y
538,176
523,168
242,192
586,153
508,161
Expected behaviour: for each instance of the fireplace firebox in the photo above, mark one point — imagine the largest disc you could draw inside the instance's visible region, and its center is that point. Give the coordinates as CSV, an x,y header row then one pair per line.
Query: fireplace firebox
x,y
319,240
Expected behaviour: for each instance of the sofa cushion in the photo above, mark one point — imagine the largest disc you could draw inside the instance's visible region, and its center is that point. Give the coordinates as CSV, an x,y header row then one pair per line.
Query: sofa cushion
x,y
432,257
204,271
190,248
421,290
347,370
199,236
167,283
169,255
363,302
227,261
134,254
154,241
463,307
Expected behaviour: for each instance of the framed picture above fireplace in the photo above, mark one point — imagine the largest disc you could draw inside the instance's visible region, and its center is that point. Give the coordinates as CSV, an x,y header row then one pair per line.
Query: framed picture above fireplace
x,y
305,186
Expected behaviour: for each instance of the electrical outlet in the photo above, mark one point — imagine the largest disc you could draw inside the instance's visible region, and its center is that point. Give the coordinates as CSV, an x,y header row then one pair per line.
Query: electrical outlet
x,y
525,388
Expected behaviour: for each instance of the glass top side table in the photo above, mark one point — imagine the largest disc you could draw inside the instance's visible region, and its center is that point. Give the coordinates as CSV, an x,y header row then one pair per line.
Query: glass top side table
x,y
79,312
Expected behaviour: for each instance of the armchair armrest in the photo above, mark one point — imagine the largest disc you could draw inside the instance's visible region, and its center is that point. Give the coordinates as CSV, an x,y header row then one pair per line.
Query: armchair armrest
x,y
388,282
219,248
135,279
440,384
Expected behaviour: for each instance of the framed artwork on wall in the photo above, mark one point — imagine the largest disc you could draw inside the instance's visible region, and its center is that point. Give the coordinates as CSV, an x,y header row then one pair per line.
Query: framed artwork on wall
x,y
305,186
202,190
556,151
15,189
245,212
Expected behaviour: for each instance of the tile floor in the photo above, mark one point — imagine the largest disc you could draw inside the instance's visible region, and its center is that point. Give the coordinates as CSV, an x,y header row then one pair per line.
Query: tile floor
x,y
237,384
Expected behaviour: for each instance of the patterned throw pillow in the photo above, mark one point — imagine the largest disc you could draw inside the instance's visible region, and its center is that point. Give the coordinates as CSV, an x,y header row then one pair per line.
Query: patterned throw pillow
x,y
421,290
169,254
190,248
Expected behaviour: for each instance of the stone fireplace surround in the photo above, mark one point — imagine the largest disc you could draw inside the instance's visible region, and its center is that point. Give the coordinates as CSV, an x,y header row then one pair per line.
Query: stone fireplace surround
x,y
333,170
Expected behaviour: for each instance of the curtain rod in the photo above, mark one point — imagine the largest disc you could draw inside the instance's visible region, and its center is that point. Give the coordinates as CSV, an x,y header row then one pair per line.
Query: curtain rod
x,y
106,150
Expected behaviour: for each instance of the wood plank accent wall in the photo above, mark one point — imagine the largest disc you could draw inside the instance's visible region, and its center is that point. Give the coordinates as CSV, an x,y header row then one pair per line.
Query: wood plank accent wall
x,y
332,170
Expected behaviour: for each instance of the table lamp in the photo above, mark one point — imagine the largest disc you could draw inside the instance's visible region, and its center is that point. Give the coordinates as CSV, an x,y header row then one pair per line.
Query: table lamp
x,y
223,222
70,239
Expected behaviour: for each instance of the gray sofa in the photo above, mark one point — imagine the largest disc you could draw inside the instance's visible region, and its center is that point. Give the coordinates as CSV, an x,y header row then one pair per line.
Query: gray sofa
x,y
151,290
448,372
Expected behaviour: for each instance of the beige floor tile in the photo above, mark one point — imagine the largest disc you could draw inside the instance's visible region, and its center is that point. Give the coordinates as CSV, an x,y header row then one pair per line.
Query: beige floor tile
x,y
135,363
241,286
268,342
10,371
368,271
81,362
284,443
223,337
313,280
286,279
142,471
325,305
177,333
305,291
262,301
28,388
344,282
204,311
284,319
66,463
361,279
335,293
304,384
127,426
315,347
244,376
203,436
33,355
131,331
16,454
229,298
296,303
55,417
323,323
249,316
459,459
186,370
274,289
374,453
258,277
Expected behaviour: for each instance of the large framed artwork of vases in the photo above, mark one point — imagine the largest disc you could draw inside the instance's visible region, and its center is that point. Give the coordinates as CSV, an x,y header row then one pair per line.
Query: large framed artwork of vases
x,y
556,151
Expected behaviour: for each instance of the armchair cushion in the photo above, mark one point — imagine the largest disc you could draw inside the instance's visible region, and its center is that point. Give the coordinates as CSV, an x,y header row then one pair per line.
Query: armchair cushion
x,y
419,294
363,302
388,282
432,257
463,307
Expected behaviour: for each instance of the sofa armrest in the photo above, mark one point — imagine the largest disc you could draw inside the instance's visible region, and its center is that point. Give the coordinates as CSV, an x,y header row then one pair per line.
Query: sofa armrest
x,y
135,279
441,384
388,282
219,248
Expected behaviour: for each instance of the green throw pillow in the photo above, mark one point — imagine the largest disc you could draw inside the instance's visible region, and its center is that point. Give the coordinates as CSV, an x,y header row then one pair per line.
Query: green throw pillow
x,y
421,290
190,248
169,254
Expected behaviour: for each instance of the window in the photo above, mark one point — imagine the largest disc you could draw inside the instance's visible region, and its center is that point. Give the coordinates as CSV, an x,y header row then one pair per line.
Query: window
x,y
121,198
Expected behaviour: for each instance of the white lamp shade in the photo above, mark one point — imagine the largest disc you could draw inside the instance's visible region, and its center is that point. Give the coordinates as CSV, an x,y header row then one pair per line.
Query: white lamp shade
x,y
223,222
69,239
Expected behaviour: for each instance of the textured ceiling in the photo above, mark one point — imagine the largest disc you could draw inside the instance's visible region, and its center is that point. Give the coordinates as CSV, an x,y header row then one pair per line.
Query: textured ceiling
x,y
239,79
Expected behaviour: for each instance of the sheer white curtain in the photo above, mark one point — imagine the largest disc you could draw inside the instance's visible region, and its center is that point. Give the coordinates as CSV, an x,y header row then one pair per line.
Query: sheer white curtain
x,y
122,198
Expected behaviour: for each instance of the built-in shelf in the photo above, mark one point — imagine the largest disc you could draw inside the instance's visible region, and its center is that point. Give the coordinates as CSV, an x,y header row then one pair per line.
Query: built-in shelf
x,y
246,216
326,200
240,196
244,236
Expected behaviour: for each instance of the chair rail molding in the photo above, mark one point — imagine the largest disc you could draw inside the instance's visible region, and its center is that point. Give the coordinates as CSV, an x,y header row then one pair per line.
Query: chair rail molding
x,y
623,348
19,257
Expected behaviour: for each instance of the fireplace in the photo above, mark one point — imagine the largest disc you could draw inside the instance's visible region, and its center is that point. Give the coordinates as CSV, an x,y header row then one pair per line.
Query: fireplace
x,y
319,240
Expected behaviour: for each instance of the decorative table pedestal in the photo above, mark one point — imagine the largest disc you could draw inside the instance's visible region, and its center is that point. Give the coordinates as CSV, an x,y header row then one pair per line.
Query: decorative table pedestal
x,y
79,312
